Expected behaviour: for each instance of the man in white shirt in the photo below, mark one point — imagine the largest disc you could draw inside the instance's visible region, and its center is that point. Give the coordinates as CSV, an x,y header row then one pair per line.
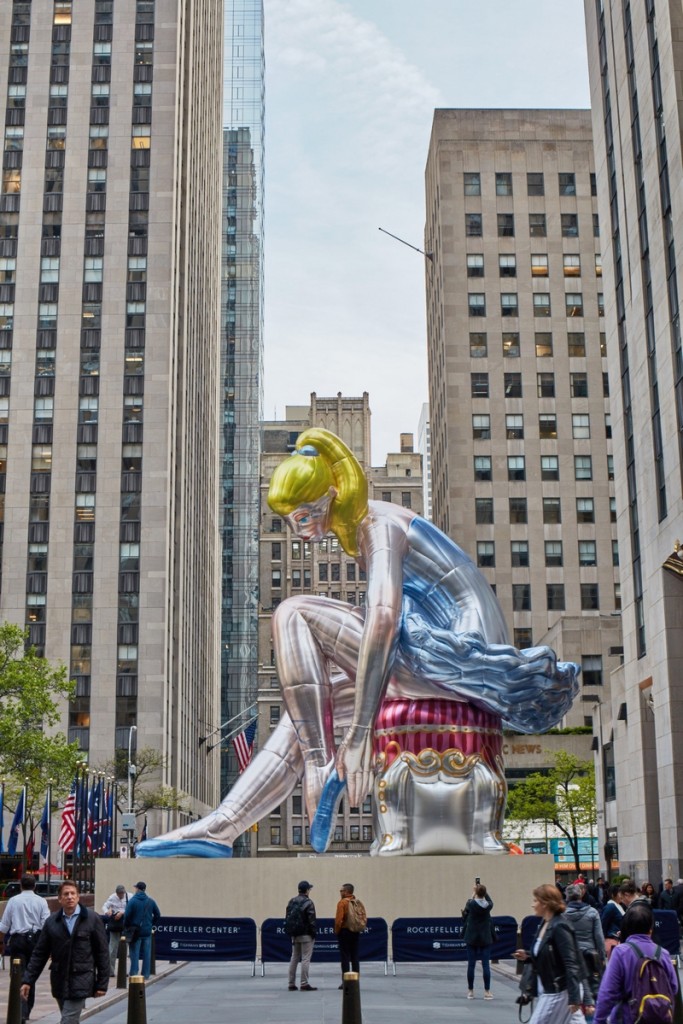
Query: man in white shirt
x,y
113,909
25,915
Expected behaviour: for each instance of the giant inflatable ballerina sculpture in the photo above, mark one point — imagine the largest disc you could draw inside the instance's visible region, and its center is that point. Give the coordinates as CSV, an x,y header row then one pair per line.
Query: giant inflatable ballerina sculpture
x,y
419,682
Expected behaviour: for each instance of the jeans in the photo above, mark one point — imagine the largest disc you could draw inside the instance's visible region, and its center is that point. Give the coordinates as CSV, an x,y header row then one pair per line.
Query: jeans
x,y
348,950
302,951
141,947
482,953
71,1010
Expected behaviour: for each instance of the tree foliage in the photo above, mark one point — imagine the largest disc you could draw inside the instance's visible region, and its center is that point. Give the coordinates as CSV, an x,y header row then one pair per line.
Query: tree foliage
x,y
147,793
564,798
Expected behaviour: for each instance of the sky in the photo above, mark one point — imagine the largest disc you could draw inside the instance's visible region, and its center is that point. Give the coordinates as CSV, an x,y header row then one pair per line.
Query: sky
x,y
351,89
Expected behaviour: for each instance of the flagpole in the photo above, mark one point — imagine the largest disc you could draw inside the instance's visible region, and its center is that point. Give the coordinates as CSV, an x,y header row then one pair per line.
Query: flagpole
x,y
49,834
23,824
2,814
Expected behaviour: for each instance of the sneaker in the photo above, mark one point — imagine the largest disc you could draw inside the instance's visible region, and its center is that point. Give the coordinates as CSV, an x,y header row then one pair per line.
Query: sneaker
x,y
341,986
470,994
293,988
308,988
488,995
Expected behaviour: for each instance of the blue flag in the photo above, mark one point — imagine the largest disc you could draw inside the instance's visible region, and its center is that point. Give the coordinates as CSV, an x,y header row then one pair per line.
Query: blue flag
x,y
45,828
17,820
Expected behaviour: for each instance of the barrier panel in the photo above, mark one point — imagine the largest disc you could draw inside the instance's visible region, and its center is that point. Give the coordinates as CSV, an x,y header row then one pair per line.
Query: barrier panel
x,y
197,938
440,939
276,945
665,932
529,928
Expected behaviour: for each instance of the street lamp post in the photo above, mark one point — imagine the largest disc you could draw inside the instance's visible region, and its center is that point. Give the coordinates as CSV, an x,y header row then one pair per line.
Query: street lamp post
x,y
131,773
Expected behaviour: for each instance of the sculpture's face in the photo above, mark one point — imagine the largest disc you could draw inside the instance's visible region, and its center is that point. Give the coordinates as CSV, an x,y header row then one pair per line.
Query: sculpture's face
x,y
311,521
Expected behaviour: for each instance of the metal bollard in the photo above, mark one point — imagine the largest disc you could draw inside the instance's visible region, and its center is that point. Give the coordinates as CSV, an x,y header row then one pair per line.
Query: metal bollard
x,y
137,1008
14,996
351,999
122,964
153,953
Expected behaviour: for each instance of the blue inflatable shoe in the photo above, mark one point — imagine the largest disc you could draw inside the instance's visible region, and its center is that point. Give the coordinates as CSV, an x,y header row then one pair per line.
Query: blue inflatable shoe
x,y
326,815
182,848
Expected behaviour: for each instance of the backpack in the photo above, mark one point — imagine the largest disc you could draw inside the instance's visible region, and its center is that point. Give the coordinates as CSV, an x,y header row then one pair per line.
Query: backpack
x,y
652,998
356,917
295,917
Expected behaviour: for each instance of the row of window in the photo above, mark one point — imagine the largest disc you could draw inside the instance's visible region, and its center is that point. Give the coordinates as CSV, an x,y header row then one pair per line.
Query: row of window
x,y
509,304
535,183
554,557
547,426
551,510
545,382
550,467
301,834
543,344
538,227
507,265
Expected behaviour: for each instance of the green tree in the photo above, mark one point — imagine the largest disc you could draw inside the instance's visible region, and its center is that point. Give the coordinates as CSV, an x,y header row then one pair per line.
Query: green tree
x,y
147,792
564,798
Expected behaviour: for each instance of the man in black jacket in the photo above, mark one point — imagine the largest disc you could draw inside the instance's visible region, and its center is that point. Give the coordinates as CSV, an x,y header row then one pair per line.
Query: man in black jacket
x,y
301,911
75,939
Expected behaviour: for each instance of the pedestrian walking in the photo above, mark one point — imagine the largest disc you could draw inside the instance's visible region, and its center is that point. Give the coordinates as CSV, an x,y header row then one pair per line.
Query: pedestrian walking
x,y
22,921
139,920
75,940
585,921
300,925
113,909
349,921
479,937
555,959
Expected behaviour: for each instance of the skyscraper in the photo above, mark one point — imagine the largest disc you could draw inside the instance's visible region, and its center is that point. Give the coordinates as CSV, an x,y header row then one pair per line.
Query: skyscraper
x,y
109,347
521,456
241,359
635,67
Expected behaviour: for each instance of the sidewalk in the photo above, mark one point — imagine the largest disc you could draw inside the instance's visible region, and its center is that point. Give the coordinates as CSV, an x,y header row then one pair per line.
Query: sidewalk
x,y
45,1008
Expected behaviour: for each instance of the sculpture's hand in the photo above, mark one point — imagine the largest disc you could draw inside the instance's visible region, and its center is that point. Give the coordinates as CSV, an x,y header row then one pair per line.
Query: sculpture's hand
x,y
354,764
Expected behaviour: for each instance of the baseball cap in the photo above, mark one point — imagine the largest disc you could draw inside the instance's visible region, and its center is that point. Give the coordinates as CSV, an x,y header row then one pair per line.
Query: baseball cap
x,y
304,886
141,885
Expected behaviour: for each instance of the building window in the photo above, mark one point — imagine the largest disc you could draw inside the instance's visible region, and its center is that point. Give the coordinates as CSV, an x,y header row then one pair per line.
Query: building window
x,y
478,345
483,510
583,467
587,552
516,468
276,552
508,304
519,553
567,184
506,225
507,266
543,341
518,510
590,601
323,572
601,304
617,596
552,510
472,183
511,344
576,344
350,572
585,510
475,265
274,835
581,426
615,552
473,225
534,184
503,183
610,467
514,426
482,467
386,495
605,382
579,385
573,302
276,579
513,385
545,385
570,225
553,553
297,835
406,499
486,554
547,426
476,303
571,264
550,469
591,669
537,225
539,265
541,304
479,385
598,265
523,638
555,596
481,427
613,510
596,226
521,597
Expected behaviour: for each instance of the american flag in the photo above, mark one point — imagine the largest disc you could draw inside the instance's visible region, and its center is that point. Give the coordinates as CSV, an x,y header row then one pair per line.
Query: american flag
x,y
67,832
45,828
244,745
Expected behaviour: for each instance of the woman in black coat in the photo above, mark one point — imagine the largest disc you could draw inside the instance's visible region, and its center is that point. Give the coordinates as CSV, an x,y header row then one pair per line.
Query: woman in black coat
x,y
479,937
